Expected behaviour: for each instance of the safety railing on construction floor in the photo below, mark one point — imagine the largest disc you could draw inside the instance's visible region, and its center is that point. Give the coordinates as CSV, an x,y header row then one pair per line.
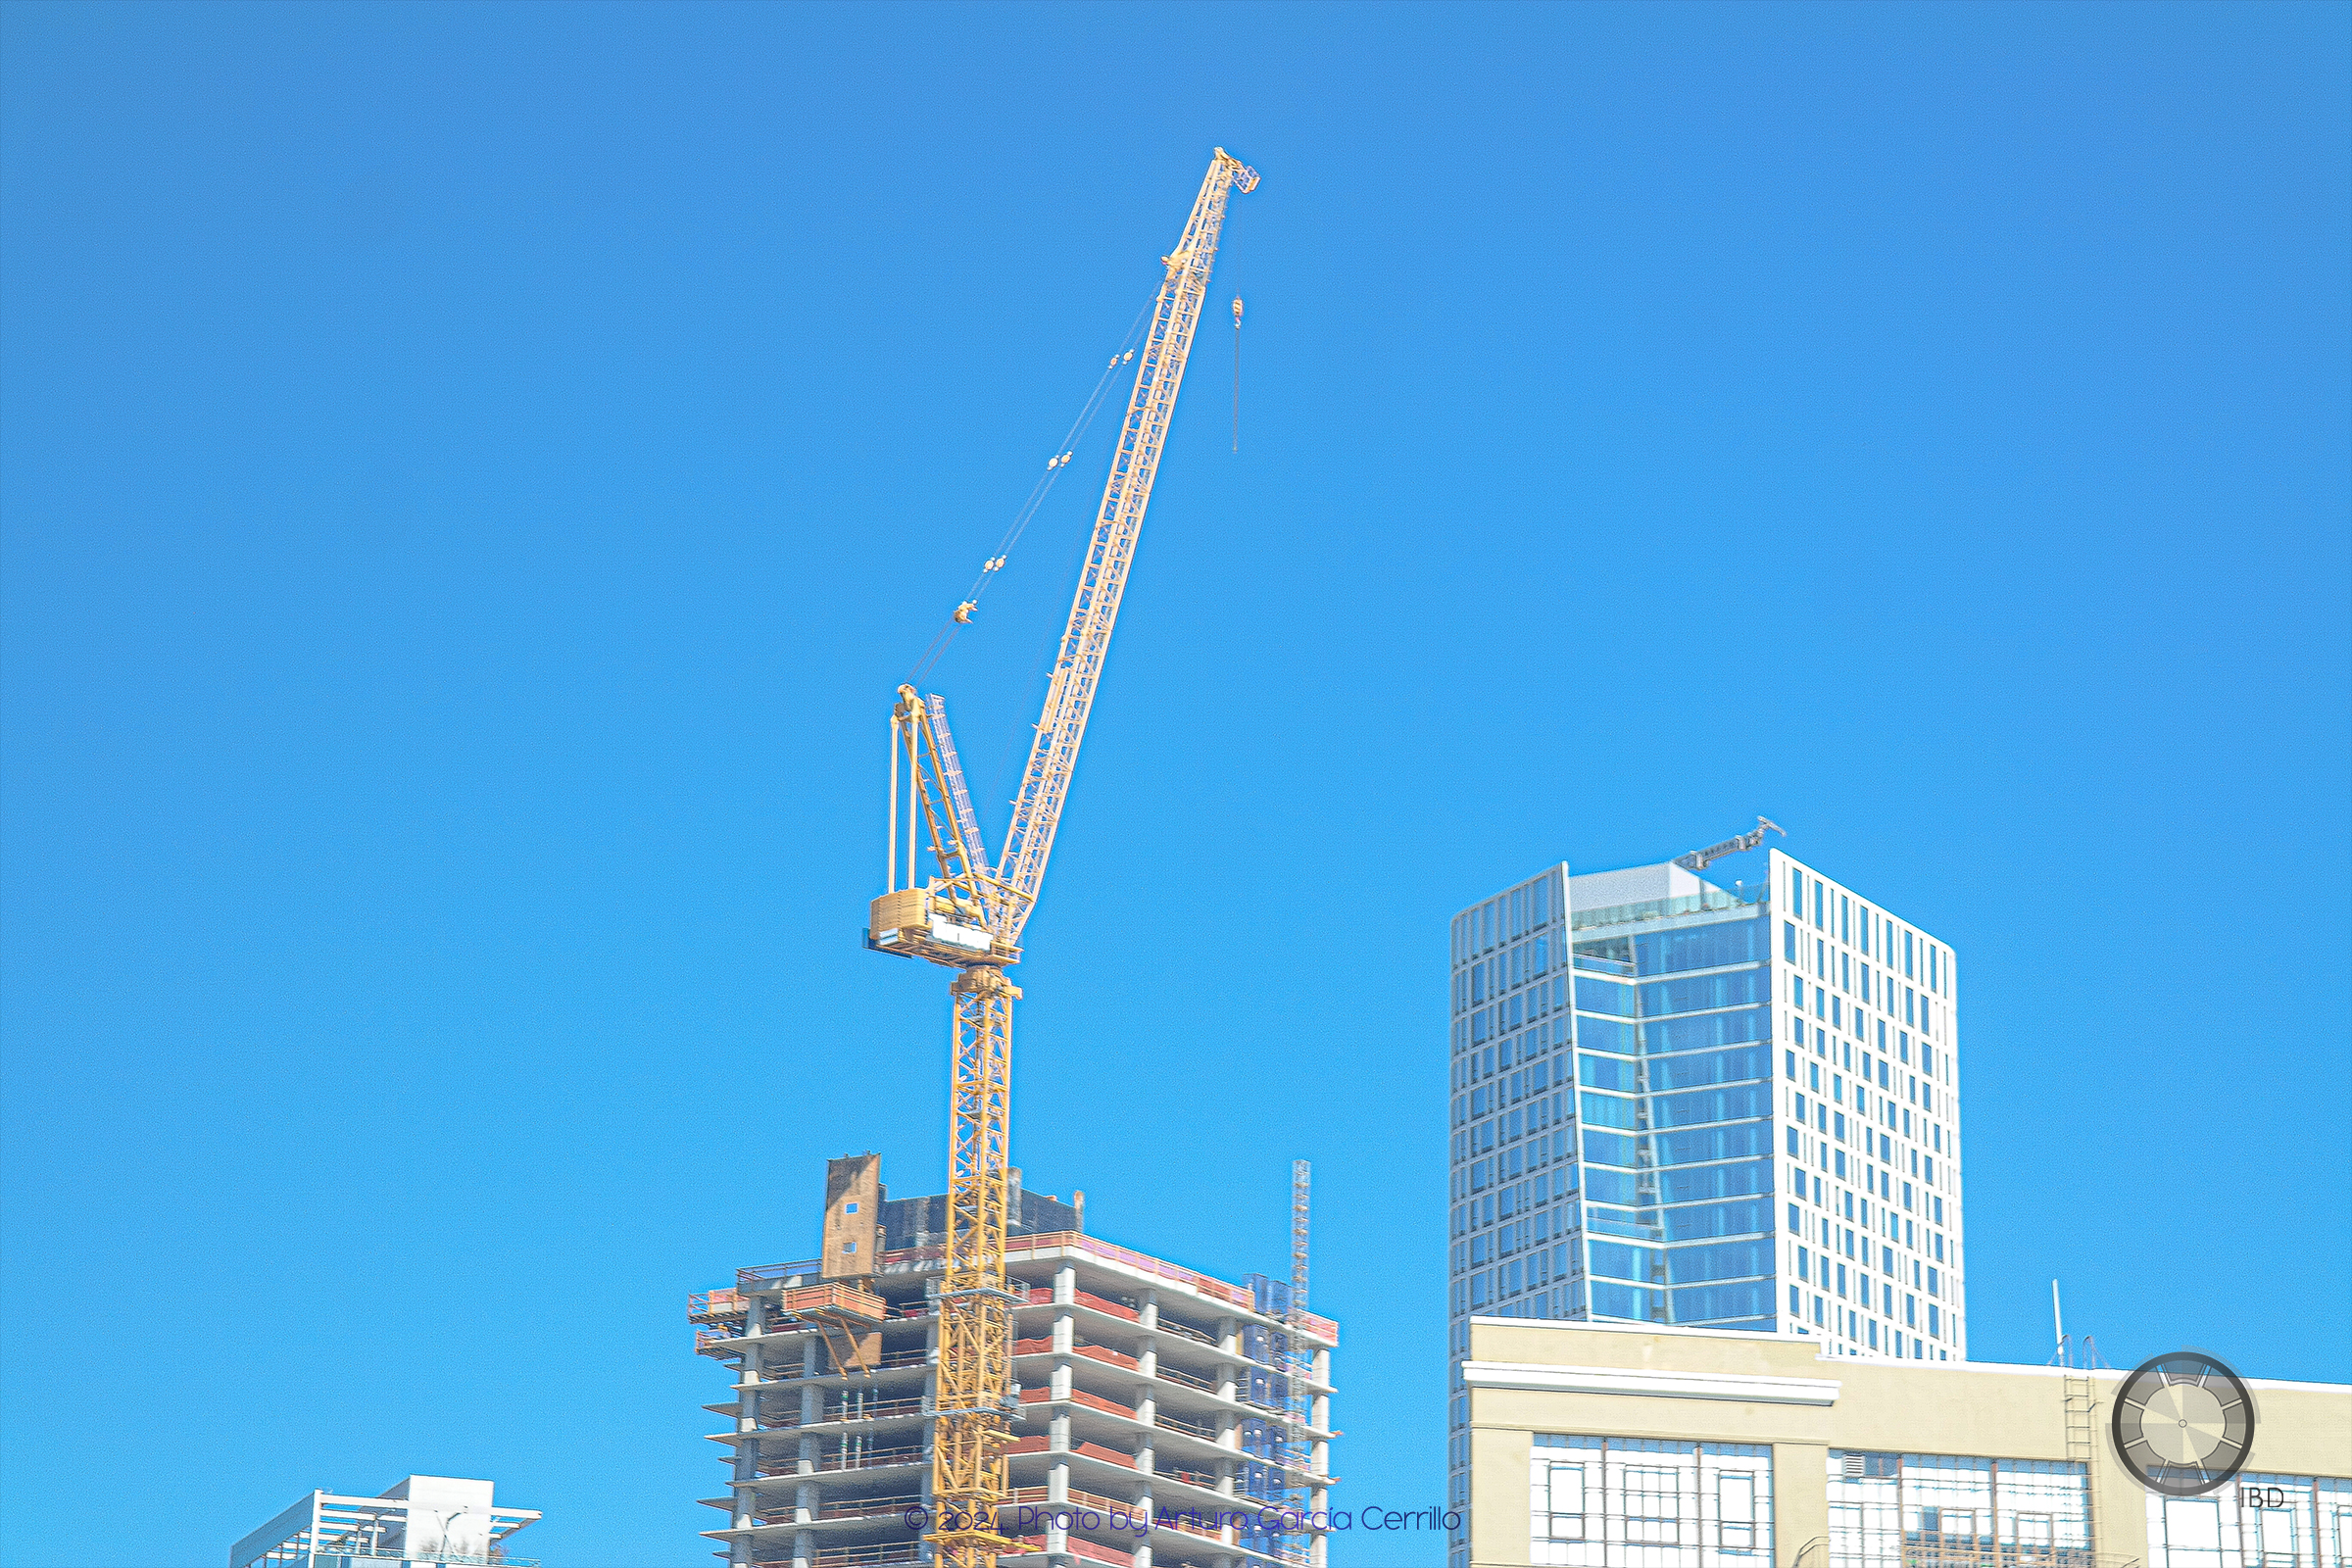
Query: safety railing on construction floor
x,y
769,1275
1178,1375
1037,1442
874,1409
1093,1402
1191,1478
869,1410
866,1460
874,1458
1081,1347
1203,1430
1168,1325
857,1509
1075,1545
853,1556
793,1370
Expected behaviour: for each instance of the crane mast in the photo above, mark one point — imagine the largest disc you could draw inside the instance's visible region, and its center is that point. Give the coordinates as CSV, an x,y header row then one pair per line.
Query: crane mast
x,y
968,915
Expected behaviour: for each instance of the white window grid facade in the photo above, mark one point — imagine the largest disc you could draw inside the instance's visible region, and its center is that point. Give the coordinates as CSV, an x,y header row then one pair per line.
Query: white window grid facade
x,y
1648,1502
2255,1521
1915,1510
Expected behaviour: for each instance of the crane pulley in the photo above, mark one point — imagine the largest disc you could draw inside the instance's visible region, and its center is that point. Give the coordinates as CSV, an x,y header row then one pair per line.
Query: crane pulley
x,y
966,914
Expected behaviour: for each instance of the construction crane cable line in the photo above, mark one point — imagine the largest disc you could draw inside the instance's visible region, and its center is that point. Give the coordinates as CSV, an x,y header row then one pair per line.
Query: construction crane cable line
x,y
968,917
1063,451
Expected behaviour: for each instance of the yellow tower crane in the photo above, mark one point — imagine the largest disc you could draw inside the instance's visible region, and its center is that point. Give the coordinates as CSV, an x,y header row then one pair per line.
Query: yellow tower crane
x,y
968,917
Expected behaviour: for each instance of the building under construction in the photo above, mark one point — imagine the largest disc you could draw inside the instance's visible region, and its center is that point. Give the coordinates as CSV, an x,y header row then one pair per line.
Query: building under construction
x,y
1162,1417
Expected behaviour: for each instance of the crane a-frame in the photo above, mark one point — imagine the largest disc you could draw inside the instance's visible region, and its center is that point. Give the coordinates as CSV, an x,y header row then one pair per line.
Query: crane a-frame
x,y
968,915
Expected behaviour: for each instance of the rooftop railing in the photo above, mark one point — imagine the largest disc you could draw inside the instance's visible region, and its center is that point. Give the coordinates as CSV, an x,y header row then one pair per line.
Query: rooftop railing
x,y
1667,908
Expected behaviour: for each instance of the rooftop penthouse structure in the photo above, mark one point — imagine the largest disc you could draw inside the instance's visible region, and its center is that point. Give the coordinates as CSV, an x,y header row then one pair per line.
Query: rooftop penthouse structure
x,y
423,1519
1167,1419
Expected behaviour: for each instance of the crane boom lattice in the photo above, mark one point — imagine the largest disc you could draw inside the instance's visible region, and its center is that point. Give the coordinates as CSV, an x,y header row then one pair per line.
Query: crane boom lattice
x,y
1158,374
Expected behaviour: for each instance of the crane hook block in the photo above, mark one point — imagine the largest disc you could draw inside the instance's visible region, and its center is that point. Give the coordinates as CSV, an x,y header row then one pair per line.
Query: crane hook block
x,y
963,611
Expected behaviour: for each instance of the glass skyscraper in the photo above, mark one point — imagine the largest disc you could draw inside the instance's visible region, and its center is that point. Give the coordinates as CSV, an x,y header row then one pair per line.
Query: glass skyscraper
x,y
1729,1107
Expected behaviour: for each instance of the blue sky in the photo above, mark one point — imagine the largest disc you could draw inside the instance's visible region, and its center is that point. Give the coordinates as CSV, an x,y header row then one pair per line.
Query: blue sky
x,y
474,475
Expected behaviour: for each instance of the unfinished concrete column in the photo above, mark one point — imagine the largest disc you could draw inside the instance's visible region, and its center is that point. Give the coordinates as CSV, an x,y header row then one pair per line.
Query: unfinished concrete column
x,y
1148,1317
803,1549
1065,1283
1065,1333
1057,1481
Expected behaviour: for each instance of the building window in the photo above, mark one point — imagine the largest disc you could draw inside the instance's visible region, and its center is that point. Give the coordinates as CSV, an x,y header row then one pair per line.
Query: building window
x,y
1615,1503
1736,1509
1562,1499
1652,1506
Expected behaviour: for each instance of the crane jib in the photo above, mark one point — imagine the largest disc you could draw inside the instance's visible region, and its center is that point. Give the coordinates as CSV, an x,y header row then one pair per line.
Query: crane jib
x,y
1095,608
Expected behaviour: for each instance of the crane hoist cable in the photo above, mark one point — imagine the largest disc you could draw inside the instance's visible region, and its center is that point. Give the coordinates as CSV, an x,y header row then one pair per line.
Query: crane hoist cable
x,y
1063,451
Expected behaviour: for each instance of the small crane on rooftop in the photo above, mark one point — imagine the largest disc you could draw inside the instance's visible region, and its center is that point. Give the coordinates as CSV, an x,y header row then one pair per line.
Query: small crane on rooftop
x,y
967,915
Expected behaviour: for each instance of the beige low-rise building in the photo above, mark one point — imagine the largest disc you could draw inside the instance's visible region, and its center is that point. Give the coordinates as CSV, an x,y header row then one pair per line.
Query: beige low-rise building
x,y
1593,1446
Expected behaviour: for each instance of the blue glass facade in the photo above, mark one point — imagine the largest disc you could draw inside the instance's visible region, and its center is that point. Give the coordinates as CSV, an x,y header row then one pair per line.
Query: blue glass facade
x,y
1671,1102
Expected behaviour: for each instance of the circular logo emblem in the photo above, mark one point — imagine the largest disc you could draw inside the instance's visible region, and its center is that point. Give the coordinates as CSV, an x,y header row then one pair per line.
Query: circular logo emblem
x,y
2182,1424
